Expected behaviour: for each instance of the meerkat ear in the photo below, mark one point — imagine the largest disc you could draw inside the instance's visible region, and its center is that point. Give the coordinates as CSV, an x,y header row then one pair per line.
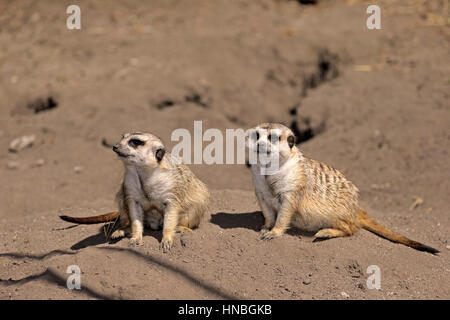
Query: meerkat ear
x,y
160,154
291,141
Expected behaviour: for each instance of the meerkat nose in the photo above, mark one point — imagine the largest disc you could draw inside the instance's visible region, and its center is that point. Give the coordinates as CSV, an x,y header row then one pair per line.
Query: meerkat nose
x,y
115,149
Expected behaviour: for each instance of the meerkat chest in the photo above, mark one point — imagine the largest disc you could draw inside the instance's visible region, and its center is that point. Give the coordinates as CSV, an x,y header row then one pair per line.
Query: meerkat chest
x,y
150,190
158,188
262,189
270,188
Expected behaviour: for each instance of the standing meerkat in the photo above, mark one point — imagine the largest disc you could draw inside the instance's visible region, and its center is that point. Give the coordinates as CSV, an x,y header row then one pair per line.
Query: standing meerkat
x,y
157,189
306,193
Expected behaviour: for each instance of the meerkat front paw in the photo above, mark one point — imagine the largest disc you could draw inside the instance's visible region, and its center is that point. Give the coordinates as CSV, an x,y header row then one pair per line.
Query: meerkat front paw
x,y
166,244
268,235
266,227
118,234
135,242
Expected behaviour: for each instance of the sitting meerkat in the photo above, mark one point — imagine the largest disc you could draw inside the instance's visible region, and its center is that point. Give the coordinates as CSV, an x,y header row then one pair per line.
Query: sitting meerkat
x,y
306,193
156,187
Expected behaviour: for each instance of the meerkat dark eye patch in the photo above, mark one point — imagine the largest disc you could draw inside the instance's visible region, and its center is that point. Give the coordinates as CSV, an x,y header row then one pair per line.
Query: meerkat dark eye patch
x,y
291,141
160,154
134,143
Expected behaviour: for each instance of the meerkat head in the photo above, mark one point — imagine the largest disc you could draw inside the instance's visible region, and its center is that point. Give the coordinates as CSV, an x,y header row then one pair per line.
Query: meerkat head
x,y
140,149
270,138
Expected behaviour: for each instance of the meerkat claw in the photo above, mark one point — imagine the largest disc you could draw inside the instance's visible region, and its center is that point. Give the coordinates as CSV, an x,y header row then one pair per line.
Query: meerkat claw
x,y
135,242
263,232
268,235
166,245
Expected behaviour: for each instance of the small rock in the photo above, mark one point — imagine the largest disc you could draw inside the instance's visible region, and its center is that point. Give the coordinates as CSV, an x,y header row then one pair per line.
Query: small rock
x,y
448,247
38,163
13,165
381,186
77,169
134,61
21,143
416,203
306,282
345,295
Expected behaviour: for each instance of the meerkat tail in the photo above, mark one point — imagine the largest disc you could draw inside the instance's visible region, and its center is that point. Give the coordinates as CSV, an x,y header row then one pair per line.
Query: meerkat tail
x,y
372,225
107,217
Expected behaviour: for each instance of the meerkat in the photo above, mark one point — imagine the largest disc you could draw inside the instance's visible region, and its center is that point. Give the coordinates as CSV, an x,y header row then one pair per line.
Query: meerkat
x,y
158,190
306,193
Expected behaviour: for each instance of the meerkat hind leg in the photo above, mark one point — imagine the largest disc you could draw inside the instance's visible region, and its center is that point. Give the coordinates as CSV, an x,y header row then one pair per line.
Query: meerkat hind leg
x,y
183,229
120,233
331,233
340,228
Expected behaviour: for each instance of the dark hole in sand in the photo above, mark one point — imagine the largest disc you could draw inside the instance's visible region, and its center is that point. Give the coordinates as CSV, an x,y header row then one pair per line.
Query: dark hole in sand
x,y
40,104
165,104
196,98
326,70
305,131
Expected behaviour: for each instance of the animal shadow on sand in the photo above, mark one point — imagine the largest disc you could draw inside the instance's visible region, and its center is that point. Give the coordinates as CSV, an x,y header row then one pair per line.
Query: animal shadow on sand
x,y
100,238
249,220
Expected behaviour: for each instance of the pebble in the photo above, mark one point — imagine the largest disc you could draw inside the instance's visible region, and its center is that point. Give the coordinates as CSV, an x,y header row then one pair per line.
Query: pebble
x,y
38,163
306,282
21,143
345,295
77,169
134,61
13,165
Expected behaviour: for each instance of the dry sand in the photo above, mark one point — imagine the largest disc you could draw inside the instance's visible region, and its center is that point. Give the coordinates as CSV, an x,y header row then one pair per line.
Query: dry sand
x,y
373,104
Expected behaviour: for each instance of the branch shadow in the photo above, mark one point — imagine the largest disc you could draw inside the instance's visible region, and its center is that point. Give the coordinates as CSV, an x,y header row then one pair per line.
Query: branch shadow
x,y
52,277
195,280
18,255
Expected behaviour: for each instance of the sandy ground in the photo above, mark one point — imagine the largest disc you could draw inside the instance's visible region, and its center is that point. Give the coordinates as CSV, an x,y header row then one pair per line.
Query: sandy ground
x,y
371,103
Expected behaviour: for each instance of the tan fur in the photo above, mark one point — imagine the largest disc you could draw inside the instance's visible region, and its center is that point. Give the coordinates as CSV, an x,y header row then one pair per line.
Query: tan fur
x,y
310,195
156,192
